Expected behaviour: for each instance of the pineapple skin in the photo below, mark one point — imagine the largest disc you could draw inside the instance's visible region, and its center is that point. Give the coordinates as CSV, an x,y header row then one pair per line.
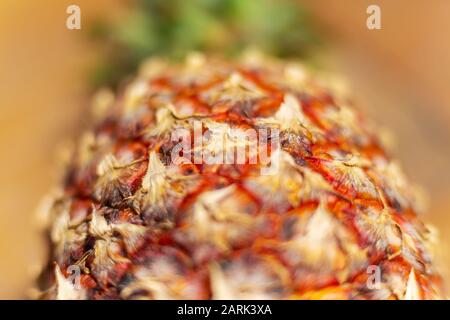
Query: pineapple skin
x,y
130,223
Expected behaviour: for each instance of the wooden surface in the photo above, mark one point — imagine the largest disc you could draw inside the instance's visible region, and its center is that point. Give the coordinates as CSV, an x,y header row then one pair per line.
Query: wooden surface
x,y
399,74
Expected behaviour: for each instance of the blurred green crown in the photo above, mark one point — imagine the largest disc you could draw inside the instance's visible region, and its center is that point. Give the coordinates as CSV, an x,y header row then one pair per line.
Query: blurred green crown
x,y
171,28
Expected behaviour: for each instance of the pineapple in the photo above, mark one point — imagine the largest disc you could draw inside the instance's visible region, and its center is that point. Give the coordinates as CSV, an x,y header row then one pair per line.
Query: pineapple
x,y
245,179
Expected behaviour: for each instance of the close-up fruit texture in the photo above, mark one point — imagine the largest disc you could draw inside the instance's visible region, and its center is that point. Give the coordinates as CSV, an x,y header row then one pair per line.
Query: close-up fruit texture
x,y
226,150
138,224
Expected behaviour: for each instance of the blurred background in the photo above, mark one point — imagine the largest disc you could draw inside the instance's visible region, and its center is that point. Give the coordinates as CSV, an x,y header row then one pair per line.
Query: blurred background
x,y
399,75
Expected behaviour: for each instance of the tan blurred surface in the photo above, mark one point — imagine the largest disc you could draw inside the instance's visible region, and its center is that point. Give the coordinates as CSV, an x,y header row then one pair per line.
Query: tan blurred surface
x,y
400,76
43,65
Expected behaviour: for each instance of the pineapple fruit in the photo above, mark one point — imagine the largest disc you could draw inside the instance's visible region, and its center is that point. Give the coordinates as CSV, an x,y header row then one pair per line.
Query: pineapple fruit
x,y
333,218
